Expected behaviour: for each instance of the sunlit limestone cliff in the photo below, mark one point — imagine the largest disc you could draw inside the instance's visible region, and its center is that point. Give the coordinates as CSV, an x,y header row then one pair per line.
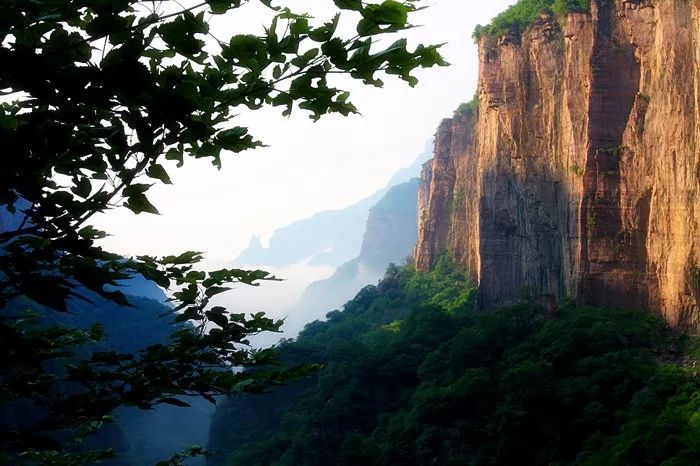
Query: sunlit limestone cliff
x,y
579,174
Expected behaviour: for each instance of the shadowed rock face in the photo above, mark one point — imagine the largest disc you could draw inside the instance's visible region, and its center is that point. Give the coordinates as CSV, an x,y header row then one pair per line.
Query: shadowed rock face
x,y
581,174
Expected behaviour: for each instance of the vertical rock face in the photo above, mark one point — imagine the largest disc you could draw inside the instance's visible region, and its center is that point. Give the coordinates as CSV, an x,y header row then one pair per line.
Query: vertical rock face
x,y
435,199
580,176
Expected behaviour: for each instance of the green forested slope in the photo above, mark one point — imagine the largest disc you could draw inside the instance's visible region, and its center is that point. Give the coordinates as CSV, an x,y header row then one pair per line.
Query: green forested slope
x,y
413,376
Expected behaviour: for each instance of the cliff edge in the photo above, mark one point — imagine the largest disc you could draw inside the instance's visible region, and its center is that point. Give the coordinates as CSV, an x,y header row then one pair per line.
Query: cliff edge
x,y
579,174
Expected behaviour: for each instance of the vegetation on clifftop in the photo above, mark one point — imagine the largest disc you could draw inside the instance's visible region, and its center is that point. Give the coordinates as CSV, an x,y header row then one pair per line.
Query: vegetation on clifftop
x,y
471,107
523,14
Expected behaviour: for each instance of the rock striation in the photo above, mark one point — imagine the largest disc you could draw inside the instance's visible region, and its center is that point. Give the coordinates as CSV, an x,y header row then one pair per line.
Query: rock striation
x,y
579,175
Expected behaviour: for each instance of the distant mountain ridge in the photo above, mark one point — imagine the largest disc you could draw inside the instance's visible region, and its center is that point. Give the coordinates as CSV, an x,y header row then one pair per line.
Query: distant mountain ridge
x,y
328,238
390,234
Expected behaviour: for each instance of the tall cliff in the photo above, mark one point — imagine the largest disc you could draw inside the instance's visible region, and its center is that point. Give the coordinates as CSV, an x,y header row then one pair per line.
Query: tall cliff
x,y
579,175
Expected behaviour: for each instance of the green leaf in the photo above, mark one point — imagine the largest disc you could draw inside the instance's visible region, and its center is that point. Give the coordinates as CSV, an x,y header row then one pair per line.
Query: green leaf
x,y
214,290
243,385
158,172
247,50
349,4
176,155
139,203
235,139
219,319
268,3
180,34
90,232
325,33
8,122
189,257
300,26
82,188
175,402
136,188
336,51
366,27
219,7
106,24
389,12
208,149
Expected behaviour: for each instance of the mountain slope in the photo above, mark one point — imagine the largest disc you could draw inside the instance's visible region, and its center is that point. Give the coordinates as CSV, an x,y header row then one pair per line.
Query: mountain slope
x,y
389,236
138,436
413,376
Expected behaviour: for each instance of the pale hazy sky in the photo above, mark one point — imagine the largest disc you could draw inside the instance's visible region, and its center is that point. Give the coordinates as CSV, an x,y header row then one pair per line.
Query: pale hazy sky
x,y
309,167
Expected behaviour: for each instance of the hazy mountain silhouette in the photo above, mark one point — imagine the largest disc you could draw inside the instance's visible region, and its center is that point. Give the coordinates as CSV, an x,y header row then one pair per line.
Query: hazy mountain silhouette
x,y
390,234
328,238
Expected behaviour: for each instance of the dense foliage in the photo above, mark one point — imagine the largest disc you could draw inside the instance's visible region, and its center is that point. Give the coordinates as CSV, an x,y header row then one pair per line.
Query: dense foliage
x,y
127,328
137,437
518,17
100,99
413,376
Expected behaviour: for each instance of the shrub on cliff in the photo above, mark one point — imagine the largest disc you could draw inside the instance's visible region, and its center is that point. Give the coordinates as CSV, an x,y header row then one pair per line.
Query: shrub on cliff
x,y
523,14
471,107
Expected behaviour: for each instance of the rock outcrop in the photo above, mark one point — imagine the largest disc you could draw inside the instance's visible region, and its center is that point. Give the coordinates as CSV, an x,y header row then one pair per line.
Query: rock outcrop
x,y
580,175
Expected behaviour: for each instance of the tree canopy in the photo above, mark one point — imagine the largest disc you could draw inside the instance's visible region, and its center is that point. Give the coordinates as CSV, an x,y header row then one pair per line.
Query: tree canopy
x,y
413,375
100,99
518,17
